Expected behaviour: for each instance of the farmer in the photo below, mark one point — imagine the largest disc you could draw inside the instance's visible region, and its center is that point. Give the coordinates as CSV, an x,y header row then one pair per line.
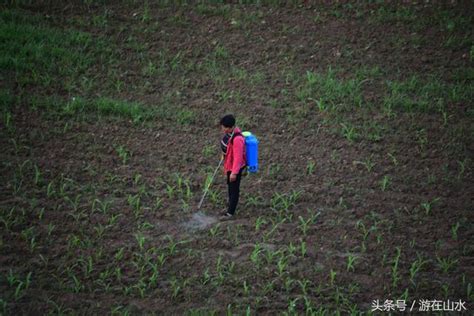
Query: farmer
x,y
233,146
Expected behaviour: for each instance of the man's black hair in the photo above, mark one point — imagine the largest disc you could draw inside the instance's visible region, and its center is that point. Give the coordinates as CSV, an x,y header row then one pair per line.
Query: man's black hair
x,y
228,121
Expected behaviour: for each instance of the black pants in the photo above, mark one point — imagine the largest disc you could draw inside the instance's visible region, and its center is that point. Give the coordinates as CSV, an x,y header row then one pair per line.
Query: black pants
x,y
234,190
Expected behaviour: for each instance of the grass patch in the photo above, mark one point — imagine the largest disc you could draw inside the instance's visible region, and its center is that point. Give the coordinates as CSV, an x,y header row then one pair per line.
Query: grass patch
x,y
430,95
134,111
40,55
328,92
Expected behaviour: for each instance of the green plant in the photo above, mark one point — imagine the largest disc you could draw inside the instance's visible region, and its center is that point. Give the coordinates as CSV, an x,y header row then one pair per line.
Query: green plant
x,y
21,286
332,276
254,200
185,117
274,169
416,266
303,248
282,264
454,230
246,288
281,203
170,190
385,182
428,206
367,163
349,132
310,167
214,231
259,222
123,153
394,268
135,203
462,168
350,262
175,287
446,264
305,224
208,151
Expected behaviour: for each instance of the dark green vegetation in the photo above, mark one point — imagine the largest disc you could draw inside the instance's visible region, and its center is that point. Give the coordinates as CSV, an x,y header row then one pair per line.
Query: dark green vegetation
x,y
109,132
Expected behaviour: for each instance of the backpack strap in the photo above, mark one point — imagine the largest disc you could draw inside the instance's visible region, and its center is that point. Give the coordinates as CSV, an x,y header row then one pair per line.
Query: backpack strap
x,y
232,142
233,136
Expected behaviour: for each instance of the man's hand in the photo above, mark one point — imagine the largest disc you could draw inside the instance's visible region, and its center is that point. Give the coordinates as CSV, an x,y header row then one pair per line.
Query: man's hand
x,y
232,177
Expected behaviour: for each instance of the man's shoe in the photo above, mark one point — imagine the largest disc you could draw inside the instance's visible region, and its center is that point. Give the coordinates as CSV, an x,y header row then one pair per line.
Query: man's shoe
x,y
226,216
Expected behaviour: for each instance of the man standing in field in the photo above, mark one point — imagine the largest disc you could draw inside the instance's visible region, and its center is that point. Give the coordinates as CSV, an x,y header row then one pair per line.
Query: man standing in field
x,y
233,146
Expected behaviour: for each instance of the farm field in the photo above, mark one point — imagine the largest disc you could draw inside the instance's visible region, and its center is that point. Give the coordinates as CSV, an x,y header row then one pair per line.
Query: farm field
x,y
109,133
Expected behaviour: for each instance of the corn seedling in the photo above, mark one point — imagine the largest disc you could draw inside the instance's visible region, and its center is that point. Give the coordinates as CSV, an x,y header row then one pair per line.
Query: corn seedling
x,y
100,231
393,158
158,203
113,219
305,224
214,197
462,168
64,185
51,227
348,132
281,203
274,169
446,264
303,248
454,231
185,205
41,213
20,286
274,227
365,232
469,292
152,280
254,201
428,206
134,202
350,262
422,139
246,288
119,254
304,286
206,277
281,266
123,154
32,244
50,191
292,307
136,179
415,267
310,167
332,276
74,203
141,241
385,183
215,230
38,176
172,245
170,191
270,255
395,263
259,222
208,151
87,265
368,163
291,249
